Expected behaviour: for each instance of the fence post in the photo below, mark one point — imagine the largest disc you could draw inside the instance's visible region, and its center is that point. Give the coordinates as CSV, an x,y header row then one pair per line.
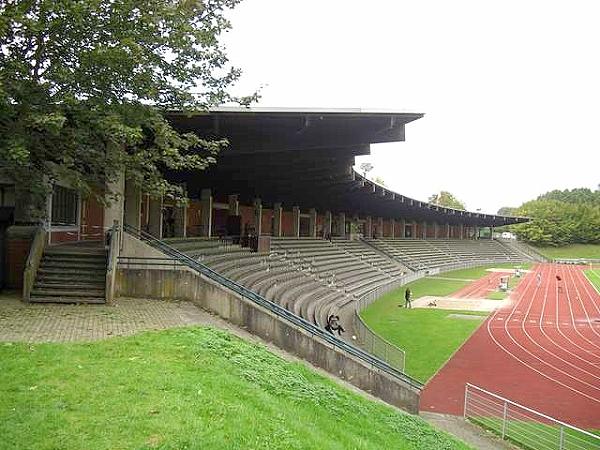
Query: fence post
x,y
466,398
561,438
504,418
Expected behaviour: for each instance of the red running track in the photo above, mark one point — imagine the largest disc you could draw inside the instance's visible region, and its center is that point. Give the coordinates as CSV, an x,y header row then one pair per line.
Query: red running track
x,y
542,350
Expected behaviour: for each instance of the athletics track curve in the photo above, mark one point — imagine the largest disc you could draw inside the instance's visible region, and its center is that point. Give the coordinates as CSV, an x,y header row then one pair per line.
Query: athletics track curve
x,y
541,350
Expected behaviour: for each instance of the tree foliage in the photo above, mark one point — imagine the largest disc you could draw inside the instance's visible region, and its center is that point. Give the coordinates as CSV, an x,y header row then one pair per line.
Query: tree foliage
x,y
84,85
446,199
561,217
507,211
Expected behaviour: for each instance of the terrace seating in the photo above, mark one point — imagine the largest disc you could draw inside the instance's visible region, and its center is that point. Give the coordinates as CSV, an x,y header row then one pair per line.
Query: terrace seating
x,y
310,277
314,278
421,254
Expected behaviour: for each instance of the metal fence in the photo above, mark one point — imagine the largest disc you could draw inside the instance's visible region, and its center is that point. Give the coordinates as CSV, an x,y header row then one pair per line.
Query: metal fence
x,y
524,426
358,353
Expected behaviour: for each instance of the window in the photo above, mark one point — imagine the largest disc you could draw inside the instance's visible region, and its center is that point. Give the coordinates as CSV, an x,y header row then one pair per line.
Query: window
x,y
64,206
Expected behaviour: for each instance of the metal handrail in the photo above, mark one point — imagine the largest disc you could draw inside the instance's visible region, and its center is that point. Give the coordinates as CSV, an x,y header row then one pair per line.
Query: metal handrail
x,y
275,308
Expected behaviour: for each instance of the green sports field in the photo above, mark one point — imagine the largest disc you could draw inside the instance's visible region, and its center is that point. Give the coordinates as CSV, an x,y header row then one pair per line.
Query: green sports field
x,y
572,251
428,336
594,276
193,388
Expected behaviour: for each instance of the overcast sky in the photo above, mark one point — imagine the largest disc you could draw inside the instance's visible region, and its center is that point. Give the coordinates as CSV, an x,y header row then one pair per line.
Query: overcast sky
x,y
510,89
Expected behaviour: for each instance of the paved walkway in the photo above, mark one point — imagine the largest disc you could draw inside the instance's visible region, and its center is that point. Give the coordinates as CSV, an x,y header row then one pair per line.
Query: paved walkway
x,y
22,322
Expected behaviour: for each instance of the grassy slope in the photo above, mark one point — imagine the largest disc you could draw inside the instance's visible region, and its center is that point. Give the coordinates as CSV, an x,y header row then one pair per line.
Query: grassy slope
x,y
572,251
187,388
427,336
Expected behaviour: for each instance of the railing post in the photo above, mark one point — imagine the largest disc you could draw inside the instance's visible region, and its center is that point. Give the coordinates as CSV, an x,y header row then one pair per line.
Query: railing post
x,y
504,419
466,399
561,438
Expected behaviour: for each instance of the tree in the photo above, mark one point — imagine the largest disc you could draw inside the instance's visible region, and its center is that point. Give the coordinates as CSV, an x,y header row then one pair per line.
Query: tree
x,y
366,168
380,181
446,199
84,86
560,218
507,211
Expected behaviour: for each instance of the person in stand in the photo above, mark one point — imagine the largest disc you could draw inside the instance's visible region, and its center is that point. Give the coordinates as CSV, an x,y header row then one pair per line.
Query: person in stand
x,y
333,325
407,298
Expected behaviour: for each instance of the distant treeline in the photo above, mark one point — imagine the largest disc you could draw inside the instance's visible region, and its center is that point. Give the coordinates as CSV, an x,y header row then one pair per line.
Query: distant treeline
x,y
560,218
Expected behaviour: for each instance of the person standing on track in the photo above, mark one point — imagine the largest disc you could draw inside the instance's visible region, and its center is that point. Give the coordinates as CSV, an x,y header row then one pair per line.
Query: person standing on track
x,y
538,279
407,298
558,281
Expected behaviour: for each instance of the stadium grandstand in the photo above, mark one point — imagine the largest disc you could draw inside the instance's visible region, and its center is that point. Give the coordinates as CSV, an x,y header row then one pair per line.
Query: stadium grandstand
x,y
281,218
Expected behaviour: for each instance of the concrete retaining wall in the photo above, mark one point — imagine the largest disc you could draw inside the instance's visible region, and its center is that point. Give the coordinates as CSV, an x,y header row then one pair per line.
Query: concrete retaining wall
x,y
184,285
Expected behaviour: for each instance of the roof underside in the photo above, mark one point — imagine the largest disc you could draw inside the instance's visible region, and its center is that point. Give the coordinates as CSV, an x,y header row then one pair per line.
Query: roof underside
x,y
305,158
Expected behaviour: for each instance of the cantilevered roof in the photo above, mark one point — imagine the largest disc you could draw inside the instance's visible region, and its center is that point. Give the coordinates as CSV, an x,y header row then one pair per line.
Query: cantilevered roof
x,y
305,157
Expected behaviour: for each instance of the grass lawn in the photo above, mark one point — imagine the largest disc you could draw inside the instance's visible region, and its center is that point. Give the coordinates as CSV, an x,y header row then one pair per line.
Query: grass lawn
x,y
572,251
427,336
195,388
594,276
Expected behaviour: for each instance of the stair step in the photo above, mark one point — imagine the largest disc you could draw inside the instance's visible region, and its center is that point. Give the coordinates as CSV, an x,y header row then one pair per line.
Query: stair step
x,y
49,292
73,284
68,257
52,299
101,265
61,276
71,272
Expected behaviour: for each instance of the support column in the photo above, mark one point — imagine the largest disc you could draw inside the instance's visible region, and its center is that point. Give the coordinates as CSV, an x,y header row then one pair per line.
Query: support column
x,y
424,230
155,217
477,232
257,216
312,225
328,222
277,213
414,230
393,226
341,231
402,228
296,220
133,205
447,231
180,216
115,209
461,231
491,232
369,227
380,227
206,202
234,205
435,230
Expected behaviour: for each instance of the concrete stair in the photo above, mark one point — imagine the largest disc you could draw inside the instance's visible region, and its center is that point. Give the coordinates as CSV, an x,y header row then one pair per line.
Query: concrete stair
x,y
71,273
